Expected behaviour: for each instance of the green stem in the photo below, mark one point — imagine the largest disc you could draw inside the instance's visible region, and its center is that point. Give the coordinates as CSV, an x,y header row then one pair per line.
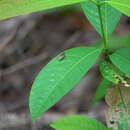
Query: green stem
x,y
102,28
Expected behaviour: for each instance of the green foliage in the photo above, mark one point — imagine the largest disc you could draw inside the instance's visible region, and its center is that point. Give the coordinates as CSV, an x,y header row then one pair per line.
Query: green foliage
x,y
59,76
116,42
109,72
110,17
10,8
121,59
64,71
101,90
121,5
78,123
128,42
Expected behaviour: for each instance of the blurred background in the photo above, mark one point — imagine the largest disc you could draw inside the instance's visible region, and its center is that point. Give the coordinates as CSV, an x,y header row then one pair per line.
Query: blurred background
x,y
27,43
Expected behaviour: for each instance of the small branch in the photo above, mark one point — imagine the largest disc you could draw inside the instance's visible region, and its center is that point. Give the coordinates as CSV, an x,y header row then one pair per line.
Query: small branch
x,y
10,39
15,121
23,64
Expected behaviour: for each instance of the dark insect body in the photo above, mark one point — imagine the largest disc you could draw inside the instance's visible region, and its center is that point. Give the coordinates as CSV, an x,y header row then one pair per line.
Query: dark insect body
x,y
61,56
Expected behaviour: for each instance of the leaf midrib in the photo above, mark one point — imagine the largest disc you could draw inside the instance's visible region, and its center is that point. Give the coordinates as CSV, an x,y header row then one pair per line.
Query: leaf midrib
x,y
72,69
106,21
76,64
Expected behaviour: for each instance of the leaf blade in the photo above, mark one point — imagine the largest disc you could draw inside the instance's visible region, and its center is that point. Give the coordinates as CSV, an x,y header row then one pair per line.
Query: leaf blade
x,y
108,71
11,8
121,5
121,59
108,13
78,123
58,77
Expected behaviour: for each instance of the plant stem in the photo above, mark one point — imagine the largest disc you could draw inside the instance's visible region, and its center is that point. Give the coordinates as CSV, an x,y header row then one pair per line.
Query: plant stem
x,y
102,28
121,95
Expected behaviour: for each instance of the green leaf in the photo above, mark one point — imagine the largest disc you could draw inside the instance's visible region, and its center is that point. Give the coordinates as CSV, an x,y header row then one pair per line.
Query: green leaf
x,y
59,76
128,42
110,17
115,42
109,72
121,59
78,123
121,5
10,8
101,90
119,42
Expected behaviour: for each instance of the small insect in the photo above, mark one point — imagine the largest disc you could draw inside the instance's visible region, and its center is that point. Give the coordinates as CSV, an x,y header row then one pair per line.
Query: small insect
x,y
112,121
61,56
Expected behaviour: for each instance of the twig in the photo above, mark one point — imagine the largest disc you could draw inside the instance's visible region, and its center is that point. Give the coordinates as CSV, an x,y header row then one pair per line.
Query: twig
x,y
10,39
23,64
